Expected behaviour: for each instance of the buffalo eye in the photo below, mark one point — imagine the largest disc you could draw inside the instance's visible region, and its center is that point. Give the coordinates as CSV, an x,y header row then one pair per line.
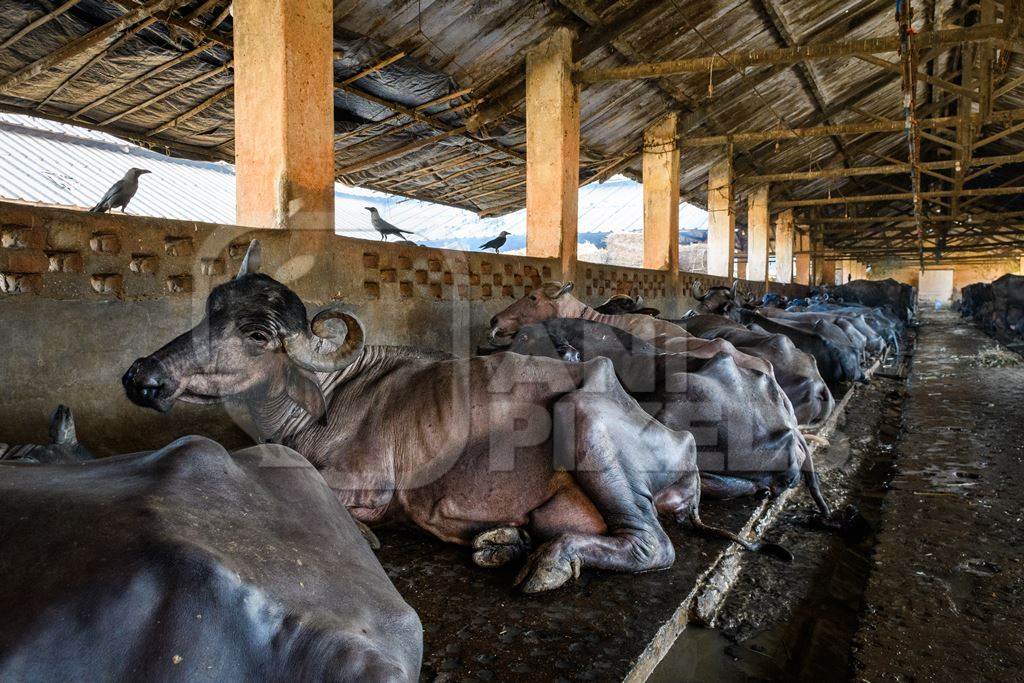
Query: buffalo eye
x,y
533,297
258,338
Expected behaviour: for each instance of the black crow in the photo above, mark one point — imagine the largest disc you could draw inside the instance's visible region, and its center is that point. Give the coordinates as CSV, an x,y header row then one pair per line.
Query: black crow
x,y
121,192
497,243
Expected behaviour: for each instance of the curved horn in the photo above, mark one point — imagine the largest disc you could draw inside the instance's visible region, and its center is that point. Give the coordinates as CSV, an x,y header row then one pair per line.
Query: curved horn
x,y
251,260
695,291
305,347
735,288
566,288
639,301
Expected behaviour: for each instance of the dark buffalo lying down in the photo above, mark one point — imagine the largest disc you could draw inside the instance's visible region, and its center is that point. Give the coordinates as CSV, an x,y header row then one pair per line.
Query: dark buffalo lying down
x,y
476,451
838,359
748,439
192,563
973,298
796,371
998,307
899,298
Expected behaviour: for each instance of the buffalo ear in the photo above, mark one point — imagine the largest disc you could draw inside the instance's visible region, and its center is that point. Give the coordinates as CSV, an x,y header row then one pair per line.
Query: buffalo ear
x,y
304,390
62,427
566,288
252,259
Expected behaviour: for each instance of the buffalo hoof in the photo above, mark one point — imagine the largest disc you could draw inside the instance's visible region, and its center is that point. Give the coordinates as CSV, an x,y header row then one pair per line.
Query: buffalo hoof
x,y
499,546
848,522
548,569
371,538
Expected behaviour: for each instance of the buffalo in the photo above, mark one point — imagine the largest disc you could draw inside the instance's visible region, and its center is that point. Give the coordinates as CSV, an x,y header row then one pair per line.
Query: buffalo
x,y
494,452
796,371
555,300
192,563
749,439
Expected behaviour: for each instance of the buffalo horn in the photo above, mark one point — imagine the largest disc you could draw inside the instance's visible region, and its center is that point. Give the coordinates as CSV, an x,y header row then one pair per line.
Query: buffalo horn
x,y
305,347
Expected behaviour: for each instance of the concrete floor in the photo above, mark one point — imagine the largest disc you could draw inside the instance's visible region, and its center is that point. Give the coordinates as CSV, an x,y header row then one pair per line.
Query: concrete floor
x,y
945,600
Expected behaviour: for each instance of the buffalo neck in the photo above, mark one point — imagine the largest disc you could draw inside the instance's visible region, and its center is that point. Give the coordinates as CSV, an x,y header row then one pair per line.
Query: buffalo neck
x,y
278,418
588,313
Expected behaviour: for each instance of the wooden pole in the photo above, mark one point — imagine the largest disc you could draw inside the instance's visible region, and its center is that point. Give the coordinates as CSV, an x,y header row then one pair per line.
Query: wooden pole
x,y
552,151
661,195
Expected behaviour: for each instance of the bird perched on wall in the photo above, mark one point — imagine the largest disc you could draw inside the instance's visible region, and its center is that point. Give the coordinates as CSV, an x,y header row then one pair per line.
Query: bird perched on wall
x,y
121,192
385,228
497,243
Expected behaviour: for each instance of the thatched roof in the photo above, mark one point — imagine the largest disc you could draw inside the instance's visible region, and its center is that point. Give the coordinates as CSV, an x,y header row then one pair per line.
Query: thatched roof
x,y
166,81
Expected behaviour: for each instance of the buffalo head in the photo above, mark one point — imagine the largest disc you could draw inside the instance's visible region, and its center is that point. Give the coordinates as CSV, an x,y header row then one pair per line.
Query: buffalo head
x,y
255,338
551,300
717,300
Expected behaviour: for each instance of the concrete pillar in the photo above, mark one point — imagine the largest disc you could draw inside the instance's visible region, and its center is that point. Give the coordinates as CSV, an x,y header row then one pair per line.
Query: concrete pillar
x,y
661,196
803,259
847,271
284,114
757,234
552,151
827,268
721,220
784,247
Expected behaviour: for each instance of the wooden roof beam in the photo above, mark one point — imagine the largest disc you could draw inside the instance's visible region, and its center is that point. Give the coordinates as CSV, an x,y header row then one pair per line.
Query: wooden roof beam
x,y
94,39
890,169
901,196
741,58
36,23
804,73
886,126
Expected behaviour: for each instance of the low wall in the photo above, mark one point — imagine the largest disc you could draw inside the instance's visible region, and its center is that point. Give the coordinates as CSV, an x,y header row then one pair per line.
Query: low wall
x,y
82,295
963,273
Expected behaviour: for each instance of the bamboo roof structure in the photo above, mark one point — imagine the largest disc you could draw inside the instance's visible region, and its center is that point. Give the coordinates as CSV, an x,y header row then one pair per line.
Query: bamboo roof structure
x,y
884,132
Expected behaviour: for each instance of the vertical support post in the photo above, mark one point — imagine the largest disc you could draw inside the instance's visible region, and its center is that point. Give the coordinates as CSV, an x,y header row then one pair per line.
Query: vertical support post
x,y
803,259
284,114
849,268
552,151
784,247
661,196
827,267
757,234
721,220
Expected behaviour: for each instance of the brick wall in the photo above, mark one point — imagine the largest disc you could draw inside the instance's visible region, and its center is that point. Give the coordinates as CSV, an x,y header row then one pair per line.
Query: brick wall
x,y
82,295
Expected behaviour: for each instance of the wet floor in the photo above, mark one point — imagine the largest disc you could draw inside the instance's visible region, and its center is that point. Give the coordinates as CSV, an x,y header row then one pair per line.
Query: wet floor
x,y
946,598
932,588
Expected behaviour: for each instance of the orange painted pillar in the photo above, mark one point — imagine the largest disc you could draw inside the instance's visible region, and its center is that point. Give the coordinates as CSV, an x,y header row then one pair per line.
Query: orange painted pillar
x,y
784,247
721,219
284,114
552,151
757,234
803,259
661,195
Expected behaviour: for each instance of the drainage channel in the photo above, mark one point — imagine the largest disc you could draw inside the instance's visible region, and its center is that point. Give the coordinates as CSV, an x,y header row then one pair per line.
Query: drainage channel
x,y
797,621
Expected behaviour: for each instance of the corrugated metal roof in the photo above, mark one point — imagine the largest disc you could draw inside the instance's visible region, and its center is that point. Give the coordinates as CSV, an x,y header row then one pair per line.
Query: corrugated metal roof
x,y
55,163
